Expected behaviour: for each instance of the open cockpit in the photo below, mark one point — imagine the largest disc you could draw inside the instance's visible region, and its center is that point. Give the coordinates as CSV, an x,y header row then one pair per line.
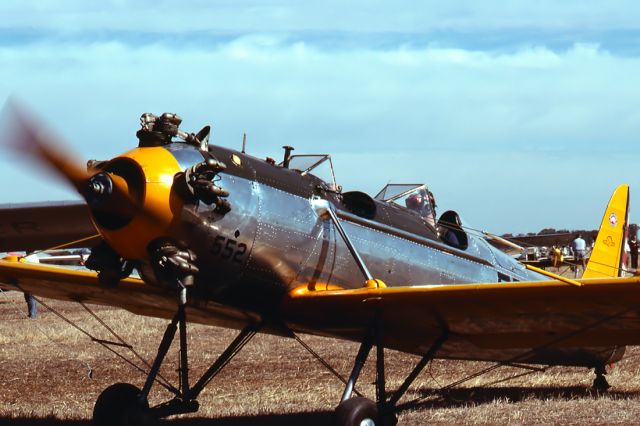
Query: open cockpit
x,y
320,165
417,198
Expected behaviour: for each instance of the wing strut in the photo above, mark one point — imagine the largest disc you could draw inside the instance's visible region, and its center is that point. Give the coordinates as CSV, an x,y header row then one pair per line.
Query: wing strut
x,y
552,275
325,212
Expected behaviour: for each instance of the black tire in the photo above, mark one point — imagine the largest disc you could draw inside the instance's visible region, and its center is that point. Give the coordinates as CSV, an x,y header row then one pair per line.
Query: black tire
x,y
119,405
600,384
356,411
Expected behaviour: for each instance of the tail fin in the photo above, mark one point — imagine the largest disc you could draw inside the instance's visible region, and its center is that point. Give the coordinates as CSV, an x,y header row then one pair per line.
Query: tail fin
x,y
607,255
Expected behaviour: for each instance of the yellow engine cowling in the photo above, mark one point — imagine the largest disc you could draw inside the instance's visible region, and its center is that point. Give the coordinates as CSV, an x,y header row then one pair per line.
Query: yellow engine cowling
x,y
149,173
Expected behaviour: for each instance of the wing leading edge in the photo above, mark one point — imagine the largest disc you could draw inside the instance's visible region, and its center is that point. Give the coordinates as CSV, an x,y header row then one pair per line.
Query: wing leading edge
x,y
131,294
75,285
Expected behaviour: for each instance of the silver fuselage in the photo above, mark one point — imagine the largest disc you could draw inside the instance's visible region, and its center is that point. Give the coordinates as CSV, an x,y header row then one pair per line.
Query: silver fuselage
x,y
273,240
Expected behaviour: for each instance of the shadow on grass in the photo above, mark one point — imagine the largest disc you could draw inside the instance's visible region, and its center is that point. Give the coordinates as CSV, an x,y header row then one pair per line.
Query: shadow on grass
x,y
41,421
432,399
310,419
435,398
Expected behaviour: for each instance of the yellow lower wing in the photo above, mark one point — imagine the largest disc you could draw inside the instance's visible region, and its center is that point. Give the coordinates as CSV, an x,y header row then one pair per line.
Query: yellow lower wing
x,y
606,256
532,321
131,294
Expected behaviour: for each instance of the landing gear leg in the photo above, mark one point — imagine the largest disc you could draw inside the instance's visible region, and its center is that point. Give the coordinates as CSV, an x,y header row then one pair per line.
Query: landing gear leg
x,y
600,383
125,405
359,411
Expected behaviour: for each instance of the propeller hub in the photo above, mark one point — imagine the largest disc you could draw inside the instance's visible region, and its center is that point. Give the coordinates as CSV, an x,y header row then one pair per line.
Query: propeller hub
x,y
99,190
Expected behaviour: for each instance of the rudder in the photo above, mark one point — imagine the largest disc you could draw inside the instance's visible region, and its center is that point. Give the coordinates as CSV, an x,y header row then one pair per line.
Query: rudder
x,y
607,254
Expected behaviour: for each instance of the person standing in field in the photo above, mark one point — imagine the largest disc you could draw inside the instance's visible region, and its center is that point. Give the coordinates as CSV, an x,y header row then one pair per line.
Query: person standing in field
x,y
32,304
556,256
579,247
633,252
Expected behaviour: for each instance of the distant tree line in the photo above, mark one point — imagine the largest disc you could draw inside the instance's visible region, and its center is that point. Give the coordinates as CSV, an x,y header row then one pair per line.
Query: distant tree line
x,y
633,230
549,231
551,236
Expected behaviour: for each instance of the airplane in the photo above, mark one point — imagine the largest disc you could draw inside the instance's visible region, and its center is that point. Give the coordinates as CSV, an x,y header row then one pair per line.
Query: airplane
x,y
219,237
536,250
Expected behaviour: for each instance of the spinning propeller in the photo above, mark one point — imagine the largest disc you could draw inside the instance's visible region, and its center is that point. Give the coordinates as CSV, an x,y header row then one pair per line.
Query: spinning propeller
x,y
130,197
105,193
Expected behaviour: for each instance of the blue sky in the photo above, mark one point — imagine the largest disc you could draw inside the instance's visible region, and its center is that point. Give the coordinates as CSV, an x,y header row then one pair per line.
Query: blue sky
x,y
521,116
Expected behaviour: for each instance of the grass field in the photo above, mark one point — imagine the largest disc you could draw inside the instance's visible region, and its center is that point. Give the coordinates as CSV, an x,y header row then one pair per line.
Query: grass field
x,y
45,365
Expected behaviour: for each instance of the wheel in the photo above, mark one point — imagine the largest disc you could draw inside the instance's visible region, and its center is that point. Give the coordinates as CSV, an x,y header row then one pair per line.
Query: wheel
x,y
119,405
388,419
109,278
600,383
356,411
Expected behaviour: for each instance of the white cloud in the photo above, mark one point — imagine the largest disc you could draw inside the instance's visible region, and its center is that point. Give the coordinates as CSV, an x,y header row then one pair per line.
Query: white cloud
x,y
436,104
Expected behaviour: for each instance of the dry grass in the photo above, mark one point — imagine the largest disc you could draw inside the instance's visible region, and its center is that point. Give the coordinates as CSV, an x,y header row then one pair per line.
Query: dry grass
x,y
44,379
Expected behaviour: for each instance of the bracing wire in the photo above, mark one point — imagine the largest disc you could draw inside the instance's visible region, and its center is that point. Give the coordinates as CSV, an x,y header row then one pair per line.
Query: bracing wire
x,y
51,339
517,358
105,344
123,343
70,243
323,361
